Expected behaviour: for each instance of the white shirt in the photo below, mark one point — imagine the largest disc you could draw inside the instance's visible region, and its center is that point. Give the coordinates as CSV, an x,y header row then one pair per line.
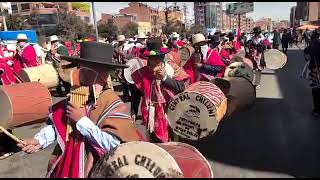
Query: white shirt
x,y
87,128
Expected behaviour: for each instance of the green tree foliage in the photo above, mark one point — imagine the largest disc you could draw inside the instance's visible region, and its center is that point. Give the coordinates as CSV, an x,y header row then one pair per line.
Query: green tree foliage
x,y
130,29
196,29
108,30
16,22
82,6
73,27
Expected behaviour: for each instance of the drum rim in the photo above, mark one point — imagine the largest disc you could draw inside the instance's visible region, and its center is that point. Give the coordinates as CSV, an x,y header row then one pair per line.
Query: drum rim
x,y
128,70
2,89
192,148
282,54
226,71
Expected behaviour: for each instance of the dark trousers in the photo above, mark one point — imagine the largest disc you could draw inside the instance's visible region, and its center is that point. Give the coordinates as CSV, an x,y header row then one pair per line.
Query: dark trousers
x,y
6,143
316,99
135,99
275,46
125,89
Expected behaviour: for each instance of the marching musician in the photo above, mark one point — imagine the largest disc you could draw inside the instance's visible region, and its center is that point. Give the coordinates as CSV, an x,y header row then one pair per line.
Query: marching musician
x,y
255,51
158,82
173,44
205,63
57,49
25,54
98,127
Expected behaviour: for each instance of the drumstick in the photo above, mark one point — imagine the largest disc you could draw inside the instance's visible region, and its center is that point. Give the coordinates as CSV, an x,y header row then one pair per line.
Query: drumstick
x,y
11,135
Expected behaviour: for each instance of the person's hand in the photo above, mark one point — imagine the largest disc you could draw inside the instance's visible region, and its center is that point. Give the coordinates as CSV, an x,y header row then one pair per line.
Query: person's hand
x,y
197,57
75,113
30,145
160,73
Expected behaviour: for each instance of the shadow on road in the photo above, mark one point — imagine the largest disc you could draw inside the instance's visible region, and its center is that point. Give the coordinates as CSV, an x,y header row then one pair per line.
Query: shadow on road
x,y
277,135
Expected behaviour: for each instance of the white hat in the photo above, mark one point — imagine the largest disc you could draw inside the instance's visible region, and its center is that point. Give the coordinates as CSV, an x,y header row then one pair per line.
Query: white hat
x,y
53,38
197,38
175,35
22,37
142,36
132,40
121,38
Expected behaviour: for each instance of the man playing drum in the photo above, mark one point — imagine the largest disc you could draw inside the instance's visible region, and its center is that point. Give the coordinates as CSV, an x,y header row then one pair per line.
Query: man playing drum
x,y
158,82
205,63
101,125
25,55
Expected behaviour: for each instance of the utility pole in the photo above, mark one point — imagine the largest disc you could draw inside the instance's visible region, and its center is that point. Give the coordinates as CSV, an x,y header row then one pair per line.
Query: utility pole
x,y
94,20
185,14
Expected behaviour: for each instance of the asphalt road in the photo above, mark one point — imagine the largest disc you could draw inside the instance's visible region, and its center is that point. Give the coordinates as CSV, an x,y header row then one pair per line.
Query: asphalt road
x,y
277,137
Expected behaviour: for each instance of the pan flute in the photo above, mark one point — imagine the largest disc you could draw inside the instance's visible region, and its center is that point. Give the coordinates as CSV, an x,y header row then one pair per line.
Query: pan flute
x,y
79,97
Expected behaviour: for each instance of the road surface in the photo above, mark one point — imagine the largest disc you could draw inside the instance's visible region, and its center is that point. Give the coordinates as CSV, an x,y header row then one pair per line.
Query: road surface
x,y
278,137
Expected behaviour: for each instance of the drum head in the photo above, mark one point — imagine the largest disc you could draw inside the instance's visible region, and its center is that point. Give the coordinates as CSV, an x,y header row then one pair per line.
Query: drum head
x,y
275,59
136,160
134,64
192,116
239,69
5,108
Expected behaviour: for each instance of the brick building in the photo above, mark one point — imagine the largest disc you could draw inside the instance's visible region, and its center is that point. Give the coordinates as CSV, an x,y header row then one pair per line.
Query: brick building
x,y
307,12
293,20
119,20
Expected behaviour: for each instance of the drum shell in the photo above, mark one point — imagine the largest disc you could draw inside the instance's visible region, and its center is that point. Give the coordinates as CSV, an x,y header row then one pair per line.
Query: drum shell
x,y
274,59
191,162
239,69
200,108
23,104
134,64
185,53
45,74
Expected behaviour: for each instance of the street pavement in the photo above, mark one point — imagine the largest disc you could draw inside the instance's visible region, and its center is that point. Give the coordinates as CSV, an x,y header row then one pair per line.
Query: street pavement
x,y
277,137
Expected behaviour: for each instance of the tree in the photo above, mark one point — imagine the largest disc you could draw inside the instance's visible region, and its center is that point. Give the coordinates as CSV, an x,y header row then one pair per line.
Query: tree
x,y
71,27
130,29
16,22
173,26
196,29
108,30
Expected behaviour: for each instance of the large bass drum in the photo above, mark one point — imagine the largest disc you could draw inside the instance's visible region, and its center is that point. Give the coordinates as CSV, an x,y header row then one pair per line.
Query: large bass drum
x,y
148,160
239,69
134,64
23,104
196,112
185,54
45,74
274,59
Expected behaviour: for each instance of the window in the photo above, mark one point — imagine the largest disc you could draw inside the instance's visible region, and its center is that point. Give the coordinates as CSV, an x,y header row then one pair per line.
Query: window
x,y
87,19
25,7
14,8
48,19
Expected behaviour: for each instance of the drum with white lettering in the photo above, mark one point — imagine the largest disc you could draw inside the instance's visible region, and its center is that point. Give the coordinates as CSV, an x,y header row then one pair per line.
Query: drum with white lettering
x,y
134,64
185,54
239,69
196,112
23,104
45,74
148,160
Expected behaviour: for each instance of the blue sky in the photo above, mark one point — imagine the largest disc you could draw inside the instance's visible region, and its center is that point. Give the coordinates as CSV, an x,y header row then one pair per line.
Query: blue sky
x,y
274,10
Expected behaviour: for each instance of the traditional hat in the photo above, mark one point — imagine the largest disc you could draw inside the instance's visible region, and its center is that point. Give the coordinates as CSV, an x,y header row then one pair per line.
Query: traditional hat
x,y
22,37
175,35
95,52
142,36
121,38
155,47
197,38
53,38
256,30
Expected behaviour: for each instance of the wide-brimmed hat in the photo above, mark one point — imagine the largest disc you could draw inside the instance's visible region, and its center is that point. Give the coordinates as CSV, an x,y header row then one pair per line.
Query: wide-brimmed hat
x,y
53,38
175,35
121,38
197,38
22,37
142,36
97,53
155,47
256,30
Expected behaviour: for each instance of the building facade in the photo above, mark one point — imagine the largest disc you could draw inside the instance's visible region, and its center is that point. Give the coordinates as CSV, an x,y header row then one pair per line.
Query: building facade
x,y
120,20
293,16
307,12
209,14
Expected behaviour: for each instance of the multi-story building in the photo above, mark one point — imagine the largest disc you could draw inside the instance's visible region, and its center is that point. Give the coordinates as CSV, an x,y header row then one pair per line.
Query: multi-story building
x,y
119,20
208,14
249,25
146,17
43,16
265,24
307,12
174,15
293,21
